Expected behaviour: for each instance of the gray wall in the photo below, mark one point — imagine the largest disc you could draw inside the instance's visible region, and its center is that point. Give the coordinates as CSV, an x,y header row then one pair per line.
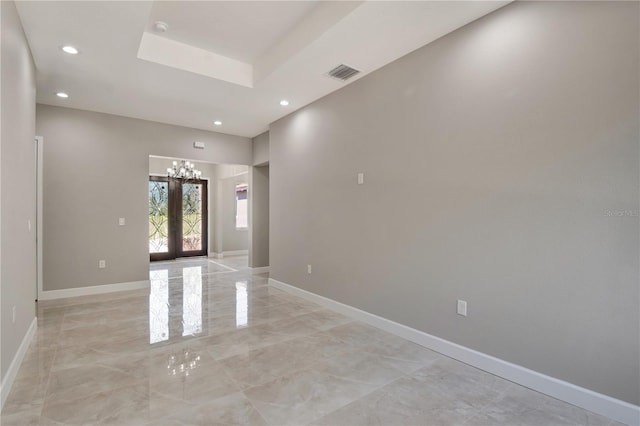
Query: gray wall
x,y
18,183
501,168
95,171
259,216
261,149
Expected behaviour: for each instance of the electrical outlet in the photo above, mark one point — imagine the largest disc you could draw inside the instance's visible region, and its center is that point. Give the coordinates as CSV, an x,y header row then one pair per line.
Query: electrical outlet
x,y
102,264
462,308
308,269
13,315
360,178
121,221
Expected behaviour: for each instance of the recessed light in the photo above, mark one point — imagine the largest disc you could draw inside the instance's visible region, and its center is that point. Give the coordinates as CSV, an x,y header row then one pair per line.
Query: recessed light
x,y
70,50
218,123
284,102
62,95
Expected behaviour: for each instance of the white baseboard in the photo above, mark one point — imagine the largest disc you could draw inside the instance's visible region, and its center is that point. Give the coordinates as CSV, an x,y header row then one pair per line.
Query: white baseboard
x,y
10,376
235,253
224,254
260,270
98,289
615,409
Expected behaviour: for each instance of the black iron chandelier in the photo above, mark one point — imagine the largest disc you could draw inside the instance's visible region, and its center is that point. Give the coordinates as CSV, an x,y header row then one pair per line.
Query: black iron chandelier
x,y
186,170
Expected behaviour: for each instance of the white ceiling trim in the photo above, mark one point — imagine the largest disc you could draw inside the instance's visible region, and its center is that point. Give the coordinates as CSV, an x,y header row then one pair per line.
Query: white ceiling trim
x,y
175,54
163,50
324,17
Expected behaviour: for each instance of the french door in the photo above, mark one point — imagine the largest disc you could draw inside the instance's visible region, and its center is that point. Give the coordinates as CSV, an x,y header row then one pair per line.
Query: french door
x,y
177,218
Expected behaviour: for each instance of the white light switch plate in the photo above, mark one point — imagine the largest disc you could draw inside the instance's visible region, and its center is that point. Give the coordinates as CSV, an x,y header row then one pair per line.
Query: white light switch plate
x,y
121,221
462,308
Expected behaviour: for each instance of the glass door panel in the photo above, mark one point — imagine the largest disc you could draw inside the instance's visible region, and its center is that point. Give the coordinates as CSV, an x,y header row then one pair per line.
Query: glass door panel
x,y
159,220
191,217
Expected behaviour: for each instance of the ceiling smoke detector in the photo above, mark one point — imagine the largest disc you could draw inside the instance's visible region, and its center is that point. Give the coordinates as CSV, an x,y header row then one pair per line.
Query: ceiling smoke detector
x,y
160,26
342,72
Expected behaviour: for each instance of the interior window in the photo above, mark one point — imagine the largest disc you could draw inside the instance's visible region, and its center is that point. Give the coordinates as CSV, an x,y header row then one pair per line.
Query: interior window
x,y
242,208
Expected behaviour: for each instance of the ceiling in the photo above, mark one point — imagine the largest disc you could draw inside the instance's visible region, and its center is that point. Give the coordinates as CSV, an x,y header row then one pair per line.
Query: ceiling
x,y
231,28
231,61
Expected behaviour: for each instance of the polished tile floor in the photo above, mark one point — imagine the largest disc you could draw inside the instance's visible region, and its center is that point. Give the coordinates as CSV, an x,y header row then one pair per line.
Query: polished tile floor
x,y
212,344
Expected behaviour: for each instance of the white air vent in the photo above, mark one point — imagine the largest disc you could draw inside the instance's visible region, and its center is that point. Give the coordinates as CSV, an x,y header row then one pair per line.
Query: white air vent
x,y
342,72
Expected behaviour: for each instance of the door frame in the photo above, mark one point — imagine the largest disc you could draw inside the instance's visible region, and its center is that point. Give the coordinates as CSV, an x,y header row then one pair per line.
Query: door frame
x,y
39,148
175,220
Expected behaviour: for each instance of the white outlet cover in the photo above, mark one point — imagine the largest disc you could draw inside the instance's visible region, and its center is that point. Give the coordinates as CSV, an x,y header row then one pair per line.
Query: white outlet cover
x,y
308,269
102,264
360,178
121,221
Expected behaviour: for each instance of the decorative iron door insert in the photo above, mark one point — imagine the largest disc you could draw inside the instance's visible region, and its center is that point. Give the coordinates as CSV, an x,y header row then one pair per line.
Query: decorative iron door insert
x,y
192,224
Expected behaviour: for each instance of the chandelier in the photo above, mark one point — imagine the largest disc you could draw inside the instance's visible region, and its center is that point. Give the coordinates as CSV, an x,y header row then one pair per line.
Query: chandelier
x,y
185,170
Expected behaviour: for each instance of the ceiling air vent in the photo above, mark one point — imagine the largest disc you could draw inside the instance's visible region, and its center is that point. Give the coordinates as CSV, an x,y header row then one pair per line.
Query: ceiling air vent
x,y
342,72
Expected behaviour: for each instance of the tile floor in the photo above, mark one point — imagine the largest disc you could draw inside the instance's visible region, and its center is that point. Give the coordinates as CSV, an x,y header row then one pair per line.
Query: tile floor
x,y
211,344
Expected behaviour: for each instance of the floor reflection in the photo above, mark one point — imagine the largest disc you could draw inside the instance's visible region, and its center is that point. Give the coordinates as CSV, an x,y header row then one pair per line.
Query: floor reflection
x,y
192,300
159,306
173,309
242,304
182,363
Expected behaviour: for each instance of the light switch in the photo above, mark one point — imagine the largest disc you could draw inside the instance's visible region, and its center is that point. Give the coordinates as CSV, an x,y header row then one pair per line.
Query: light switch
x,y
462,308
121,221
360,178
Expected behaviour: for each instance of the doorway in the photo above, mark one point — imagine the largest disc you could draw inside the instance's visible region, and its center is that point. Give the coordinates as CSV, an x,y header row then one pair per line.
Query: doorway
x,y
178,218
